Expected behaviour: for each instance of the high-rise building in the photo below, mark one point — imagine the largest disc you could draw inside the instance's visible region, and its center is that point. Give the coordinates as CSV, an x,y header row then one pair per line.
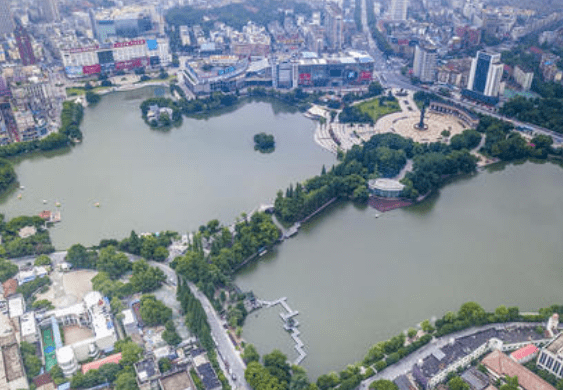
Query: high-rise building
x,y
398,9
486,74
6,18
334,27
425,61
49,10
23,42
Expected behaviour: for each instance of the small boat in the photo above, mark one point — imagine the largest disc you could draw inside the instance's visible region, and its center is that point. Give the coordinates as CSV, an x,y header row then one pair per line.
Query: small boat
x,y
22,188
97,204
58,204
44,201
19,196
376,215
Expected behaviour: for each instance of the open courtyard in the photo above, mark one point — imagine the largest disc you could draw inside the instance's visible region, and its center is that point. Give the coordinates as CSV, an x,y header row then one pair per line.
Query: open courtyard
x,y
335,135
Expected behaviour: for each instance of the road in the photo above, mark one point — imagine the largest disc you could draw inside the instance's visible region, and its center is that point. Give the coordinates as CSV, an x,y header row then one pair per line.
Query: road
x,y
224,344
405,365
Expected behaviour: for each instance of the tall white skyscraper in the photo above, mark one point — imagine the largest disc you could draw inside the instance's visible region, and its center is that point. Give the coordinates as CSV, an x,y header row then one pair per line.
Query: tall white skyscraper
x,y
486,74
49,10
398,9
6,19
425,61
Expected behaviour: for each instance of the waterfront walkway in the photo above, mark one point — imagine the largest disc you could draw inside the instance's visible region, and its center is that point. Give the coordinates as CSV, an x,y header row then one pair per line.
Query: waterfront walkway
x,y
290,324
405,365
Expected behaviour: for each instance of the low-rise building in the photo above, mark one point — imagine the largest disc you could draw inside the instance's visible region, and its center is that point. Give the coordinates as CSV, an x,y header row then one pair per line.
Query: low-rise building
x,y
28,328
16,305
551,357
147,374
12,373
385,188
500,366
523,77
525,354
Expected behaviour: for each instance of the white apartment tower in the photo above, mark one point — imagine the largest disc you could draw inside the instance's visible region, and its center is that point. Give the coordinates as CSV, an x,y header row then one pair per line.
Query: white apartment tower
x,y
486,74
398,9
425,61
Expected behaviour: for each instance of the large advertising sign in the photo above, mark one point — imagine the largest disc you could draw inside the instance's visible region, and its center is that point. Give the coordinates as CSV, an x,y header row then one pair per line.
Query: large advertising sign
x,y
305,79
91,69
132,64
129,43
73,71
84,49
365,76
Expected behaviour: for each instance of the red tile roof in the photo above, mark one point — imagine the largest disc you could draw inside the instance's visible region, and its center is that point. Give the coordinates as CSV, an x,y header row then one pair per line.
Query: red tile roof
x,y
502,365
10,287
42,379
524,352
45,214
98,363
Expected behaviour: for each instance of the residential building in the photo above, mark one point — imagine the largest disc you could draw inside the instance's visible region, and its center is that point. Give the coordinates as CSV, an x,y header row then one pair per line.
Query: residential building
x,y
523,77
147,374
12,373
6,18
28,328
476,379
551,357
16,306
23,42
500,366
49,10
425,62
398,10
460,352
486,74
334,27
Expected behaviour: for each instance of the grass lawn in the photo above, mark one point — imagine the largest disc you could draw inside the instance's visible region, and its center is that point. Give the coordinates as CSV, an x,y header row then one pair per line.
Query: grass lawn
x,y
376,111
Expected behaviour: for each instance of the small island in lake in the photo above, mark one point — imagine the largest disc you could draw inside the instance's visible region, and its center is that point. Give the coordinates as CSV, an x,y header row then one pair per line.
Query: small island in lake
x,y
264,143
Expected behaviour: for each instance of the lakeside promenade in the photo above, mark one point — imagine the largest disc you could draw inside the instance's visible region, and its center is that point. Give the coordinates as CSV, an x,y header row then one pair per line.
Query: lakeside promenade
x,y
405,365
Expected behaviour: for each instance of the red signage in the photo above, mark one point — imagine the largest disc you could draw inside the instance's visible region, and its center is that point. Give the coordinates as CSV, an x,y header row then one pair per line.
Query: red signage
x,y
132,64
91,69
136,42
403,41
84,49
365,76
305,79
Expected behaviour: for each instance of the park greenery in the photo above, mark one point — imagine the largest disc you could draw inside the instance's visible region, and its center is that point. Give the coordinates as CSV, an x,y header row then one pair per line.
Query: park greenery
x,y
275,373
7,175
92,97
144,279
384,155
7,270
154,312
14,246
544,112
30,358
376,108
264,143
216,253
164,119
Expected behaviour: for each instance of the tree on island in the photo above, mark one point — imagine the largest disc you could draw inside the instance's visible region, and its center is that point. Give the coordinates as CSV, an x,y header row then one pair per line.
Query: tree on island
x,y
264,143
92,97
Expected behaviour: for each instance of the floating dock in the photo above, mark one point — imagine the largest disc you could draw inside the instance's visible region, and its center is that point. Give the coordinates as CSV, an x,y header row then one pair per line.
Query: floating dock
x,y
290,325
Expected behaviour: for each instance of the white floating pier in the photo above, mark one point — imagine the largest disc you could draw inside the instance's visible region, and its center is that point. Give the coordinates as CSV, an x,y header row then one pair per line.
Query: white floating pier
x,y
290,325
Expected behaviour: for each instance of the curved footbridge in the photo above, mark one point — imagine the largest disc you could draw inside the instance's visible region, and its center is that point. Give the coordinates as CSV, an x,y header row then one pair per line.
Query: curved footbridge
x,y
290,324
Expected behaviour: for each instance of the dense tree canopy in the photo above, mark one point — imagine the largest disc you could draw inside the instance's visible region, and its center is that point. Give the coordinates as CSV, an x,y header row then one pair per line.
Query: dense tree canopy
x,y
154,312
113,263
